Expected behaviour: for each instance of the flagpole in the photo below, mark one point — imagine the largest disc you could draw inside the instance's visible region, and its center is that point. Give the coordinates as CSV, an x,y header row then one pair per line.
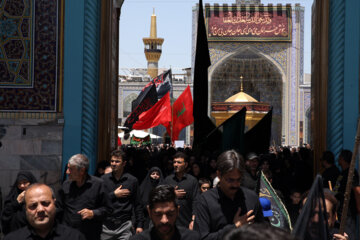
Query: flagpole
x,y
171,89
349,181
171,124
171,99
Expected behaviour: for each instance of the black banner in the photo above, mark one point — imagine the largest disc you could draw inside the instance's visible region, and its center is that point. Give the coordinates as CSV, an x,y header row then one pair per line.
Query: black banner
x,y
162,83
148,100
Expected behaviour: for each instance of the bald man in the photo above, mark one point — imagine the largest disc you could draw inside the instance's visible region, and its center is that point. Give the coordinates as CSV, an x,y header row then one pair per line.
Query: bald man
x,y
40,214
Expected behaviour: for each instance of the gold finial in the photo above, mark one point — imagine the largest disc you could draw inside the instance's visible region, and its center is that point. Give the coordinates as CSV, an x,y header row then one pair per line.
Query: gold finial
x,y
153,25
241,84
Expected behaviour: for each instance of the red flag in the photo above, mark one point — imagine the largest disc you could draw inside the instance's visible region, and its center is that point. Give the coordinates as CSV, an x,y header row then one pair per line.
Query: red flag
x,y
160,113
182,113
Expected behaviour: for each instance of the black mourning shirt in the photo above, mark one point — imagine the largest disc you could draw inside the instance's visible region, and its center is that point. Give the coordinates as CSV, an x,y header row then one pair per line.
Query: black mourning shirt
x,y
122,207
330,174
179,234
59,232
340,188
214,213
191,187
90,195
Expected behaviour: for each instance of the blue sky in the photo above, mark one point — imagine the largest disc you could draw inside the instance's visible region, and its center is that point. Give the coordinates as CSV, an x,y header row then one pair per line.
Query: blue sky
x,y
174,24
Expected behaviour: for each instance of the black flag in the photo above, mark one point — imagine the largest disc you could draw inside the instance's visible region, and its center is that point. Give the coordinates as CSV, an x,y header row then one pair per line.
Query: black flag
x,y
202,62
257,139
233,132
232,136
163,85
149,99
212,140
312,223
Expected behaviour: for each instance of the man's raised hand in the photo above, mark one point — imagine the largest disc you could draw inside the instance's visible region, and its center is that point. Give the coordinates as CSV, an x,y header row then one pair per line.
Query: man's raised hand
x,y
247,218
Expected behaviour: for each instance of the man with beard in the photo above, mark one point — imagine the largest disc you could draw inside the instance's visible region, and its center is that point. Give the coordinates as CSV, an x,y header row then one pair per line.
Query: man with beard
x,y
251,171
163,212
40,214
229,205
186,189
124,195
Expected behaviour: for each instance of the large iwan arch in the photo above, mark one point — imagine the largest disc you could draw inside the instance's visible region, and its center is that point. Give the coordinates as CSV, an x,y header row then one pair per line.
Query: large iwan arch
x,y
263,79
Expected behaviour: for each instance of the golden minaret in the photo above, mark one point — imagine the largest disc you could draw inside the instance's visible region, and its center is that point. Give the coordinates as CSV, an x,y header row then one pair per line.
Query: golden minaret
x,y
153,48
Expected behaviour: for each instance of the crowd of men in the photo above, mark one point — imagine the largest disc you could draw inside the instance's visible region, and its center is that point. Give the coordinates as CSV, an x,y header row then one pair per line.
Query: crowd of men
x,y
158,192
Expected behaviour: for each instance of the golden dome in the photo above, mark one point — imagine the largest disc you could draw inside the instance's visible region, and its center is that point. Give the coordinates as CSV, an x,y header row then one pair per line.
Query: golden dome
x,y
241,97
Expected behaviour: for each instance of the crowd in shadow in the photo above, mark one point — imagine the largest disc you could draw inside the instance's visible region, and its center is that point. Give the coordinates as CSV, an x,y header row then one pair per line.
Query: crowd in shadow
x,y
288,169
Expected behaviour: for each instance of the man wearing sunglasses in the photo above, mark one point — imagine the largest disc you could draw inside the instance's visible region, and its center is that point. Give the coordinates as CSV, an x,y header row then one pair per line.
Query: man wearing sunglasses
x,y
229,205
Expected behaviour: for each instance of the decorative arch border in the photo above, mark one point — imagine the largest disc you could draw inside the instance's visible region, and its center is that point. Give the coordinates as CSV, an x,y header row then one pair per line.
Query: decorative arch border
x,y
227,55
130,97
275,51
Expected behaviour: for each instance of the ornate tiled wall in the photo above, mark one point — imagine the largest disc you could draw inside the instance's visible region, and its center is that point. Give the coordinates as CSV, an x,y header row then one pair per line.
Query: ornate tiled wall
x,y
292,128
304,112
261,80
287,58
31,125
28,55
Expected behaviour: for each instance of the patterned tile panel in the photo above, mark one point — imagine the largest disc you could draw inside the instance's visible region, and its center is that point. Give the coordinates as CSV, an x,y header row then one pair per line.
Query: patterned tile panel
x,y
293,87
28,55
15,43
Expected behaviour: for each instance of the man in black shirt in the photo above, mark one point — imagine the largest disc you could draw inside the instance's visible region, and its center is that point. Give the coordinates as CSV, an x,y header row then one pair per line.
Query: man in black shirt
x,y
124,195
186,189
82,200
40,214
250,176
229,205
331,172
163,212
